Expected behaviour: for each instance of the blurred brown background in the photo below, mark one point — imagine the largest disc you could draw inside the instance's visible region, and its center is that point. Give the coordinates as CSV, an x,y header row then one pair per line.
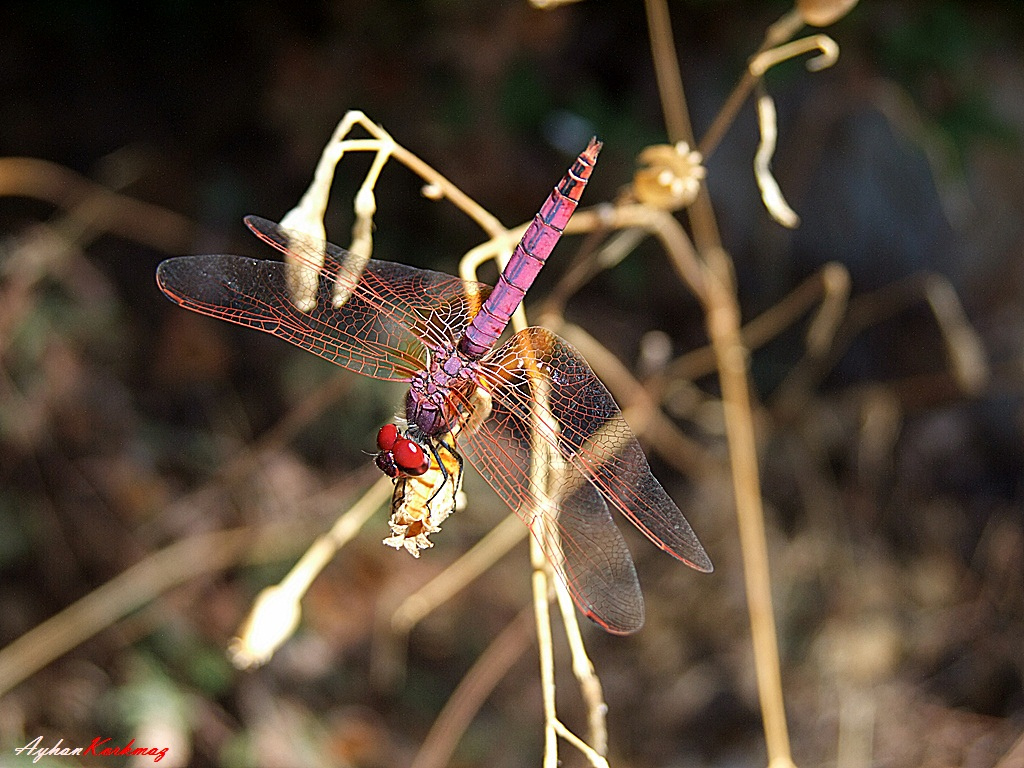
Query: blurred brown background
x,y
894,501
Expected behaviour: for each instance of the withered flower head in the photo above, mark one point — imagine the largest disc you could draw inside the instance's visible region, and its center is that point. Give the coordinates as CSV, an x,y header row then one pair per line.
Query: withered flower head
x,y
670,177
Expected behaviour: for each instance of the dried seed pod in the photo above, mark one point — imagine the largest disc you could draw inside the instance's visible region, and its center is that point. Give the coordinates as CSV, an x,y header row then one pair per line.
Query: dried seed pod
x,y
670,177
821,13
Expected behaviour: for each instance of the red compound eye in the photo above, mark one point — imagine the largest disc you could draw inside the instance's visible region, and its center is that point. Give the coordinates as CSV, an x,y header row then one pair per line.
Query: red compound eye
x,y
410,457
387,436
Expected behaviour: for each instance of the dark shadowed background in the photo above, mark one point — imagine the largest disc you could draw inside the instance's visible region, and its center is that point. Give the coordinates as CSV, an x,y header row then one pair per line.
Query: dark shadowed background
x,y
894,502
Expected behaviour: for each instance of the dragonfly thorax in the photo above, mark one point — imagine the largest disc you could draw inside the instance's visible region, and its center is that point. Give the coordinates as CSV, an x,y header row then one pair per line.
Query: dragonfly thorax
x,y
431,413
431,402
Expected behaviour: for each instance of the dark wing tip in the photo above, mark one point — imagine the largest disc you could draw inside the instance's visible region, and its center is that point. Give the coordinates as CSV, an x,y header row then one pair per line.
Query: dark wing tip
x,y
172,275
699,560
619,628
203,279
258,224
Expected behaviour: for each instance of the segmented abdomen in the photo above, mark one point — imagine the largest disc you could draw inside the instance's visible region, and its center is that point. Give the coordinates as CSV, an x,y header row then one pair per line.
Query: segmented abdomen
x,y
529,256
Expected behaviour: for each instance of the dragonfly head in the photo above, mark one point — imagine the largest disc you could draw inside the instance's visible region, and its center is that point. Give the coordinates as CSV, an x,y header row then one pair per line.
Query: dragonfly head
x,y
399,455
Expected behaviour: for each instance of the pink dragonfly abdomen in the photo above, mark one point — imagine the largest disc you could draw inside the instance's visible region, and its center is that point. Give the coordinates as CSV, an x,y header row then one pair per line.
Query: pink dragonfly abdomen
x,y
529,256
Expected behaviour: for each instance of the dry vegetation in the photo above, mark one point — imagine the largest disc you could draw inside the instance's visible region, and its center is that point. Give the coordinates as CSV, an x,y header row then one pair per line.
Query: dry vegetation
x,y
856,379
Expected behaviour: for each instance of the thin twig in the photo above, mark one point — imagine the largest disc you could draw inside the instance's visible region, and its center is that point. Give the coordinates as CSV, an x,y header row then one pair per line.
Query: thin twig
x,y
474,688
966,358
176,564
677,120
583,668
724,329
109,211
778,33
453,579
275,616
667,73
829,286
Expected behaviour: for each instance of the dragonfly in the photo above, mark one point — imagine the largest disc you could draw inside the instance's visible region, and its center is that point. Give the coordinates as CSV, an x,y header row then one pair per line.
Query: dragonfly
x,y
529,414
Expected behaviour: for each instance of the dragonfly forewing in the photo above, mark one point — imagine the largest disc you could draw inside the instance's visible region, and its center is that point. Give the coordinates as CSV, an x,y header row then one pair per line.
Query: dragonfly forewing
x,y
394,314
434,306
256,294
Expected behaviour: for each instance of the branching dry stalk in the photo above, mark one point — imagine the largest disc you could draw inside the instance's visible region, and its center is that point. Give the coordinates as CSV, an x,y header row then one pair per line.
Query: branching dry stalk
x,y
722,314
546,466
968,364
829,288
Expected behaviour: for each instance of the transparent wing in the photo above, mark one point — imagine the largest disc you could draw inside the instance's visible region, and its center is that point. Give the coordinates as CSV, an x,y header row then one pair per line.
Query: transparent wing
x,y
595,463
393,313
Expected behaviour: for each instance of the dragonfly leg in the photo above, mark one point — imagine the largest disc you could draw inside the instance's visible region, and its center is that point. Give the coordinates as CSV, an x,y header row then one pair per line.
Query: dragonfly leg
x,y
458,459
445,474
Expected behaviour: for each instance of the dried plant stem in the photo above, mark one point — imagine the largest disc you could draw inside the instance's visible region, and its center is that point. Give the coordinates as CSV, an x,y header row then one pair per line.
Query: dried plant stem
x,y
724,329
966,357
593,257
547,468
455,577
677,120
106,211
830,287
541,584
542,462
553,727
723,323
308,215
661,224
276,611
593,757
964,348
474,688
315,199
666,71
778,33
343,531
583,668
176,564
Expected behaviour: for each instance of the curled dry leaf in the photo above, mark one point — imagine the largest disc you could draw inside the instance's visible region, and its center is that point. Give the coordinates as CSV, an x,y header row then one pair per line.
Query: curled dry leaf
x,y
771,193
670,177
